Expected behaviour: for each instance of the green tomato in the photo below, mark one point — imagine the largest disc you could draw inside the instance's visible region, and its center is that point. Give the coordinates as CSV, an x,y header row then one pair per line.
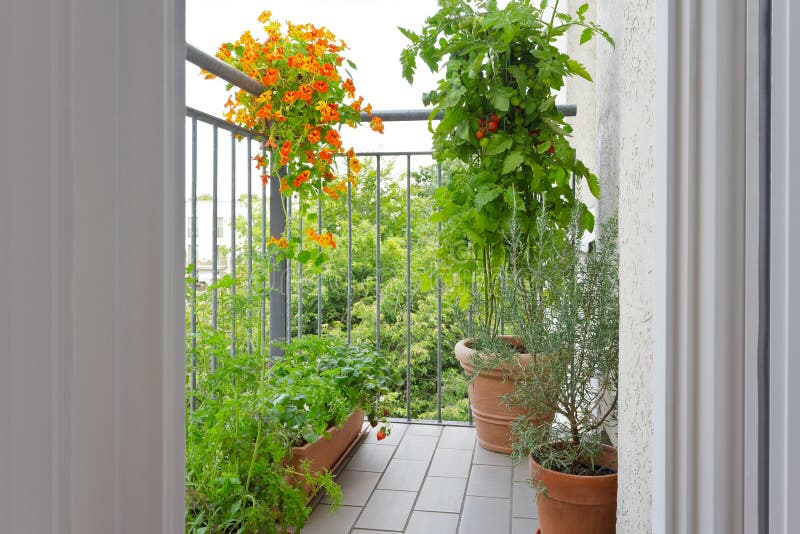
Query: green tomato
x,y
516,100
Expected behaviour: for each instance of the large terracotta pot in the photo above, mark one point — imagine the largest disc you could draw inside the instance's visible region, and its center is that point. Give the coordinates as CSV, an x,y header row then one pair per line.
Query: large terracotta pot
x,y
328,453
578,504
492,416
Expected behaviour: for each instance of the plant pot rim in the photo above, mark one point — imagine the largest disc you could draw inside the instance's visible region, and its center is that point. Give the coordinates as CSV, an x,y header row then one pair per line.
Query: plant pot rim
x,y
607,450
464,353
331,428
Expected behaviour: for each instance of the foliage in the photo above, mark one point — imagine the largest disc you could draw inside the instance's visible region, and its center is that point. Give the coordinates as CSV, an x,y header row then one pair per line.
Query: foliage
x,y
333,298
306,102
500,72
567,308
248,413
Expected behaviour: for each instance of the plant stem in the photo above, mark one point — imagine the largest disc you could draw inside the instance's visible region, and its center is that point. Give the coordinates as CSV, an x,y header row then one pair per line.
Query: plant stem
x,y
552,19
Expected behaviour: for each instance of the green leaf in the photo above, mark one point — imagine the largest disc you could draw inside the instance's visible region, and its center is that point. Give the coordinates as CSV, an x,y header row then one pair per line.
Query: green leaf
x,y
594,185
411,36
583,9
485,195
512,161
588,220
304,256
500,101
498,143
547,103
575,67
586,35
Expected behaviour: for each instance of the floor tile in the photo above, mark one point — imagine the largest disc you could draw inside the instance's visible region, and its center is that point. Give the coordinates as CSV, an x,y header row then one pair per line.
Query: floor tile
x,y
432,522
450,463
522,472
370,457
490,481
394,437
523,526
405,475
414,447
483,515
440,494
457,437
387,510
322,521
523,502
482,456
363,531
356,486
425,430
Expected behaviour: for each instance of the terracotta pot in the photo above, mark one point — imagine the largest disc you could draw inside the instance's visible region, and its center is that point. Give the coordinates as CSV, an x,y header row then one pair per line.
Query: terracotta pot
x,y
578,504
492,416
327,453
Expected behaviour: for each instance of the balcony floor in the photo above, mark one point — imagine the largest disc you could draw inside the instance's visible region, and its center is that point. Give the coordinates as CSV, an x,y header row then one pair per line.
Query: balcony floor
x,y
429,479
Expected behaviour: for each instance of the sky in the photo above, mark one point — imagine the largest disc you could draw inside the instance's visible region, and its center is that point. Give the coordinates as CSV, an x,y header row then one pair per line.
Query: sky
x,y
369,27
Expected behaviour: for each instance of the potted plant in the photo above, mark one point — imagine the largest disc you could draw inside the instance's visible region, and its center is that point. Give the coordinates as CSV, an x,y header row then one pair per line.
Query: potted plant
x,y
500,73
566,301
309,96
262,439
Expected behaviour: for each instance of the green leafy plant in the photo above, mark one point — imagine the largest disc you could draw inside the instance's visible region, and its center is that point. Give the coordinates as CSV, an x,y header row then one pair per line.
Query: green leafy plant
x,y
246,413
500,73
566,302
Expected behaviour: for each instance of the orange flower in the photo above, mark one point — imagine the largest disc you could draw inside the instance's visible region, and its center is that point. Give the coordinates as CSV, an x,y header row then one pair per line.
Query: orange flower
x,y
301,178
313,136
271,76
326,156
349,88
328,71
323,240
311,157
356,105
376,124
333,138
355,165
368,109
320,86
330,192
264,179
281,243
290,96
305,93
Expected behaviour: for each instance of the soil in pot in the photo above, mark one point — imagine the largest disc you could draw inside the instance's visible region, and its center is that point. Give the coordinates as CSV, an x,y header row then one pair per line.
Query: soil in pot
x,y
492,416
575,504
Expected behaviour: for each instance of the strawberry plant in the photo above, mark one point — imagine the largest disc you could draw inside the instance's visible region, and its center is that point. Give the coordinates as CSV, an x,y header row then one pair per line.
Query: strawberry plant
x,y
500,72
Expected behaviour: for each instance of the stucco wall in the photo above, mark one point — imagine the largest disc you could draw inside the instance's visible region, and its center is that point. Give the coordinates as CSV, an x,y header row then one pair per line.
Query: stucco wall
x,y
620,104
625,89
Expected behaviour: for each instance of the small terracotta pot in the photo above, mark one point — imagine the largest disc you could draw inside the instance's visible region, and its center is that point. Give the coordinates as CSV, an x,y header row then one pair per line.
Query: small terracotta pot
x,y
578,504
327,453
492,416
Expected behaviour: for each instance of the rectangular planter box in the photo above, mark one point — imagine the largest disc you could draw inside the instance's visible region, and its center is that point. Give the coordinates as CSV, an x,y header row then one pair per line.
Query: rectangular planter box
x,y
328,453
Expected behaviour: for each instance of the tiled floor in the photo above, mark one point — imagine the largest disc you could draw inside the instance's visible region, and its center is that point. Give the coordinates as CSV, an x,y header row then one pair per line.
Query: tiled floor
x,y
427,479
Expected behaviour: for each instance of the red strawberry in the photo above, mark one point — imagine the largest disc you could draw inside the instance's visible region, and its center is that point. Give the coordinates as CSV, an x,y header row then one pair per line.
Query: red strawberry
x,y
381,435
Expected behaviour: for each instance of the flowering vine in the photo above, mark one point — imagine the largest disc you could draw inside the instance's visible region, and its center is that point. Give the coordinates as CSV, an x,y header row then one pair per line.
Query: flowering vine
x,y
307,99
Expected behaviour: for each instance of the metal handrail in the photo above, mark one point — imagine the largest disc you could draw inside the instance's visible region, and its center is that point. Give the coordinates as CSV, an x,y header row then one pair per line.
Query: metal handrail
x,y
238,78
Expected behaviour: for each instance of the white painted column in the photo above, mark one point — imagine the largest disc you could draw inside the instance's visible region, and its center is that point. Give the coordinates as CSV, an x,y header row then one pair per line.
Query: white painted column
x,y
701,161
784,469
91,264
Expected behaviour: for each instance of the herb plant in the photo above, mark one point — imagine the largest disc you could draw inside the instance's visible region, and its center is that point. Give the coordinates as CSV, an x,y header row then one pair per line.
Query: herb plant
x,y
566,304
500,73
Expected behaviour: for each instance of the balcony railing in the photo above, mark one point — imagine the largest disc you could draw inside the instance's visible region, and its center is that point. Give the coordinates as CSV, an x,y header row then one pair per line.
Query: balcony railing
x,y
224,167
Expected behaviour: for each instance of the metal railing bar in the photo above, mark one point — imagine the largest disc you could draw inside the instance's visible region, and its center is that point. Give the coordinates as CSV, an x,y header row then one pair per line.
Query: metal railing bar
x,y
408,287
349,256
249,238
438,315
299,273
214,240
378,253
222,124
223,70
265,342
193,259
243,81
287,203
319,276
233,245
374,154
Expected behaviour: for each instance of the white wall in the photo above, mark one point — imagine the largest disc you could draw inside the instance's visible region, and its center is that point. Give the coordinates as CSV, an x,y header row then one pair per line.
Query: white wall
x,y
614,136
91,234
